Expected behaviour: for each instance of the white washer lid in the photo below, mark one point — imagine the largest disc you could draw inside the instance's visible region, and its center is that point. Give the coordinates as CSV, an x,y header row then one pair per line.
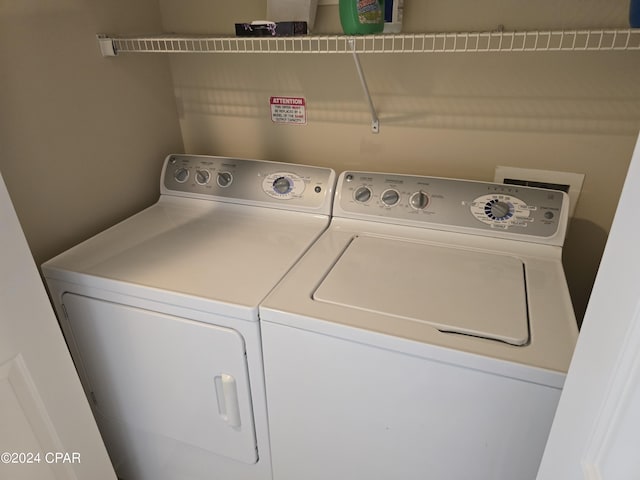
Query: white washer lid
x,y
453,289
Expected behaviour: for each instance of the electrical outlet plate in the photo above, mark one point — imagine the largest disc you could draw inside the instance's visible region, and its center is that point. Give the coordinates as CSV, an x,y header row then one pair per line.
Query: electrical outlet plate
x,y
574,180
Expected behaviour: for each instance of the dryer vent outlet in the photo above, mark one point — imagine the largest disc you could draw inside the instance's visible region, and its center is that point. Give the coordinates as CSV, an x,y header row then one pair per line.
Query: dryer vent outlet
x,y
570,183
532,183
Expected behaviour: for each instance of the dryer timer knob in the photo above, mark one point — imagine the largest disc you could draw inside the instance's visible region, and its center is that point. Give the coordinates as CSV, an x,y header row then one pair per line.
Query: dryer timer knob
x,y
282,185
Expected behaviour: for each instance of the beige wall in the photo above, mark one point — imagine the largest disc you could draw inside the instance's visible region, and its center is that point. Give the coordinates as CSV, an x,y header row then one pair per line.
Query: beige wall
x,y
455,115
82,137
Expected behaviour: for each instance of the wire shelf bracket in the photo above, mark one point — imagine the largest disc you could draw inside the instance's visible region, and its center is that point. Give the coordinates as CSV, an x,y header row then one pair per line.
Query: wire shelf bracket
x,y
375,122
107,46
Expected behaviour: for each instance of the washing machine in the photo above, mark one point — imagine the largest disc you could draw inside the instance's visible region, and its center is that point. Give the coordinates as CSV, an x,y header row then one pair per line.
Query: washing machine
x,y
160,313
426,334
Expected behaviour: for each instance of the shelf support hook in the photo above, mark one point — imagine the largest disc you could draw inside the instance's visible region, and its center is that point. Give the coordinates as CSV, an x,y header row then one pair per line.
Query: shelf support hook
x,y
375,122
107,46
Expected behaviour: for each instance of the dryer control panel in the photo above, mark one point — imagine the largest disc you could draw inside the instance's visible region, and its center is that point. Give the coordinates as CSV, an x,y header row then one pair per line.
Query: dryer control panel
x,y
452,204
250,182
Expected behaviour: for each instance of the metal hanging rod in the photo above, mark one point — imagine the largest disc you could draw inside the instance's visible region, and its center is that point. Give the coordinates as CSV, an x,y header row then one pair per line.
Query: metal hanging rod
x,y
496,41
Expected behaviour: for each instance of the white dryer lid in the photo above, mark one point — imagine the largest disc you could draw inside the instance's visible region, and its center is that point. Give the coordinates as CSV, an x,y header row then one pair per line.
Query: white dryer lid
x,y
454,289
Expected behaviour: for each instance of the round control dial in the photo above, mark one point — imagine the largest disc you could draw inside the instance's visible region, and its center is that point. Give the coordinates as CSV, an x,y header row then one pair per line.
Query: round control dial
x,y
390,197
224,179
181,175
202,176
283,185
362,194
419,200
500,211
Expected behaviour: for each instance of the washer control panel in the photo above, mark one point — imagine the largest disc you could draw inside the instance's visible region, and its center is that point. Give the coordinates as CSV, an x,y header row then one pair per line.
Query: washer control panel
x,y
451,204
259,182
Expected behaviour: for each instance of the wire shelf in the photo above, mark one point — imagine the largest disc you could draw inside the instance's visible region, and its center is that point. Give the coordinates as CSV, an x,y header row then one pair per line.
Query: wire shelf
x,y
497,41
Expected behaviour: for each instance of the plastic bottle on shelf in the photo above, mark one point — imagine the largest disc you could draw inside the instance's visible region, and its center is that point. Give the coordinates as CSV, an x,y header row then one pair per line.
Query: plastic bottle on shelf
x,y
393,10
361,17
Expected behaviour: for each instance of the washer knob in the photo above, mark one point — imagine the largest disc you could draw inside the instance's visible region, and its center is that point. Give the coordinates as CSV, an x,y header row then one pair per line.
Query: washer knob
x,y
419,200
499,210
181,175
390,197
202,176
362,194
224,179
282,185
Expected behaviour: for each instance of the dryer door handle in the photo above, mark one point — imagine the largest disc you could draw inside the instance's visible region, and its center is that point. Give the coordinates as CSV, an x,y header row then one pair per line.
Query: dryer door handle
x,y
227,394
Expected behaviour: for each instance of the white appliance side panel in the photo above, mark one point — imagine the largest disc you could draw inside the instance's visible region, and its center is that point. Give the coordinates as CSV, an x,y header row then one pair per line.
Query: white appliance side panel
x,y
454,289
179,385
339,409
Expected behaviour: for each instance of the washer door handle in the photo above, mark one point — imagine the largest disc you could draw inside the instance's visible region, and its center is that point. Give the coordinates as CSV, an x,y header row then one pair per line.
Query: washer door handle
x,y
228,406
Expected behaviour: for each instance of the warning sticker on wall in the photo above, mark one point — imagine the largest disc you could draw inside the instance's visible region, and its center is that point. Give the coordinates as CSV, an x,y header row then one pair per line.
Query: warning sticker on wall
x,y
292,110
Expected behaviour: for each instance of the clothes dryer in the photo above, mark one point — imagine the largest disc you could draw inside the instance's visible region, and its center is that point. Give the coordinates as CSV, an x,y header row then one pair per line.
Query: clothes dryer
x,y
426,334
161,314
